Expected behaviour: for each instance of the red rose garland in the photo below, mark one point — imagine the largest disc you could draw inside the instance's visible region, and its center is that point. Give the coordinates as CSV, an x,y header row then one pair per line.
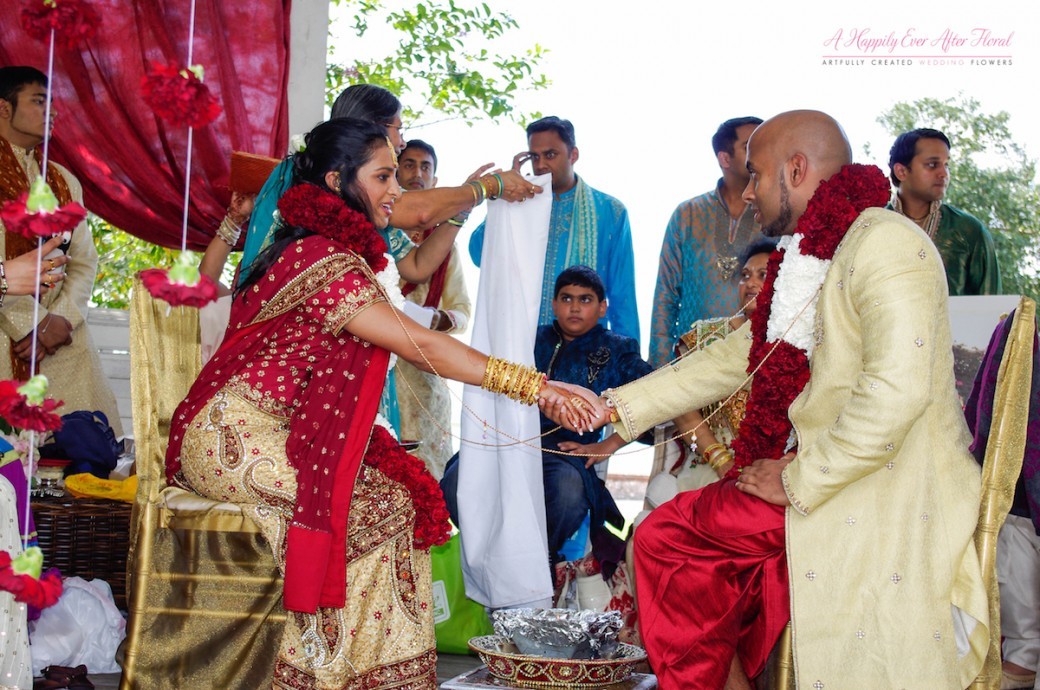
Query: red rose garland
x,y
71,20
178,96
783,368
309,207
431,514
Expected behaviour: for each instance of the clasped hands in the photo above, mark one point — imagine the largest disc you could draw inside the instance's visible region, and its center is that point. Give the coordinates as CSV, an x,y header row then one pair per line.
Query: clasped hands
x,y
53,333
573,407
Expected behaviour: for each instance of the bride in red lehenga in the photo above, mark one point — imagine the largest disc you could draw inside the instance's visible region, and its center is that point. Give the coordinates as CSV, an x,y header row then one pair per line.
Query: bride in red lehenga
x,y
283,421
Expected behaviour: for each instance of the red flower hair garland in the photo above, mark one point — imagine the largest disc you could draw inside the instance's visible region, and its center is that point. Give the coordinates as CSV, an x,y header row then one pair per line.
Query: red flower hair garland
x,y
309,207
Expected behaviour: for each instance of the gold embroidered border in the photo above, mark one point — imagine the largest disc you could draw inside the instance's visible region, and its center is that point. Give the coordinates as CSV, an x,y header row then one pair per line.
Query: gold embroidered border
x,y
261,400
314,278
417,673
352,304
795,503
380,510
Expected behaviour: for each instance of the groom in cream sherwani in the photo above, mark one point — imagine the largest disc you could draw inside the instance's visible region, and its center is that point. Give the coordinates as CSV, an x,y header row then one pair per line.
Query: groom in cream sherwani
x,y
867,521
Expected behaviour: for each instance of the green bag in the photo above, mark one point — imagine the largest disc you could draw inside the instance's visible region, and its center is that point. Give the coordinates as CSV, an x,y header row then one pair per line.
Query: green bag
x,y
456,618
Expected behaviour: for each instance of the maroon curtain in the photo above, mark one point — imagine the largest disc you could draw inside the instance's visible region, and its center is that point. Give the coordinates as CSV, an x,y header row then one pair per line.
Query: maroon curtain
x,y
130,162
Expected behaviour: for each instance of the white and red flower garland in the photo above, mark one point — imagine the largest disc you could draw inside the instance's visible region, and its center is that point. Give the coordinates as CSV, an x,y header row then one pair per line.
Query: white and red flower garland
x,y
782,325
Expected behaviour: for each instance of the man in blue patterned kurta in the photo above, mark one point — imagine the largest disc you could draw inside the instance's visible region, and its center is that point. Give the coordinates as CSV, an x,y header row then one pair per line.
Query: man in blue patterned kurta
x,y
696,278
587,227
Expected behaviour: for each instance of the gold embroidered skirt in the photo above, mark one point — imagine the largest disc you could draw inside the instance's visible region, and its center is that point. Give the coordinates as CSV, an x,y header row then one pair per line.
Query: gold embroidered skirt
x,y
234,451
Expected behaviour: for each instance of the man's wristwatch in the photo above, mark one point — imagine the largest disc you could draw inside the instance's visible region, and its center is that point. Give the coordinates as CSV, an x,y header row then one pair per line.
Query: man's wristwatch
x,y
614,417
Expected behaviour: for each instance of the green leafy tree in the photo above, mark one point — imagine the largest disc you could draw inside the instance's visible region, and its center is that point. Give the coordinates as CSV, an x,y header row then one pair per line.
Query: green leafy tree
x,y
991,177
443,67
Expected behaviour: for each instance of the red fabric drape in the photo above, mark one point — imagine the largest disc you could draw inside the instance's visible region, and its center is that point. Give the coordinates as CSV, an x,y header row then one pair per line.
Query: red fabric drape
x,y
132,164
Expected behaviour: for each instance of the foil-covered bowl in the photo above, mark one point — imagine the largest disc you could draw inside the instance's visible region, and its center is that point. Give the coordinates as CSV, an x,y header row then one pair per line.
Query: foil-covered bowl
x,y
560,633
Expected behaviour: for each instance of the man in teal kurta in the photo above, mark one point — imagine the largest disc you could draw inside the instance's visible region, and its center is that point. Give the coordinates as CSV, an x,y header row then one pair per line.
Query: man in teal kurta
x,y
919,167
587,227
697,274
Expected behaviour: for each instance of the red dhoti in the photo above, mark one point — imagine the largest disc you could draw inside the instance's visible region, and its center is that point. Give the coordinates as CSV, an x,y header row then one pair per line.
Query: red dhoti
x,y
711,580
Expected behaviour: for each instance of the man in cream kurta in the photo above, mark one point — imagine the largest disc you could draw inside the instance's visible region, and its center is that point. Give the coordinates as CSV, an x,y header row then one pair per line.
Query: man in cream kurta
x,y
74,369
885,586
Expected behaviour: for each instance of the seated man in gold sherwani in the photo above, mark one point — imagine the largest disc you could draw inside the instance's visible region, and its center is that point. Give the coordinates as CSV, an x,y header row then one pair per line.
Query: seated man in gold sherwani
x,y
853,500
64,350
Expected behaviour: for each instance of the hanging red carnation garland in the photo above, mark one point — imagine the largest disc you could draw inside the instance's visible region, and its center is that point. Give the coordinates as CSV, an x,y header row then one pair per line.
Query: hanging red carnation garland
x,y
178,96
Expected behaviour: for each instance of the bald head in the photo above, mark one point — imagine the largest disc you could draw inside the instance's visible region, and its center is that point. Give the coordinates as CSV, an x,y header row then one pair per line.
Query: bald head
x,y
816,135
789,155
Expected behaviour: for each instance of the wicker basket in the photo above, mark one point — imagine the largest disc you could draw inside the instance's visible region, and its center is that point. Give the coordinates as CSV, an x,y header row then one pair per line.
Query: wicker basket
x,y
85,537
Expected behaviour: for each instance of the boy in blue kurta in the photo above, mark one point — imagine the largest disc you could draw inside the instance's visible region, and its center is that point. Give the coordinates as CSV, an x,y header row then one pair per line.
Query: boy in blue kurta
x,y
575,348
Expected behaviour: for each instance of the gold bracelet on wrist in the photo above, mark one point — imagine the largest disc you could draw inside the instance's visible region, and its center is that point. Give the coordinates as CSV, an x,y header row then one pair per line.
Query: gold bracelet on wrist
x,y
720,459
707,452
515,381
478,192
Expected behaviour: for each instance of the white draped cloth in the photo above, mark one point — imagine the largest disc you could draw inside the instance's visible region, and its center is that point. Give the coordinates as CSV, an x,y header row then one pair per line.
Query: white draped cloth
x,y
505,559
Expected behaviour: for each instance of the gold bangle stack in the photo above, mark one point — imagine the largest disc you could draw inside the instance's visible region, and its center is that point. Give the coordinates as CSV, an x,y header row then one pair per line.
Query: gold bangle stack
x,y
485,183
717,455
478,193
515,381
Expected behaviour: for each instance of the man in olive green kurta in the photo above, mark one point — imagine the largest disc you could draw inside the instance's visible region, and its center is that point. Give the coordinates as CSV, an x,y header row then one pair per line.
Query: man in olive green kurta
x,y
919,168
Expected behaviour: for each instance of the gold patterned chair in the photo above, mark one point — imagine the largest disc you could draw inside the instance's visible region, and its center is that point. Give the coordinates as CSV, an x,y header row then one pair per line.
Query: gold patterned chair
x,y
205,593
1003,463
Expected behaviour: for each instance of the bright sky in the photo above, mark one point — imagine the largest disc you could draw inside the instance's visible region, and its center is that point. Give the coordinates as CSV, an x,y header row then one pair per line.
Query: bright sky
x,y
646,89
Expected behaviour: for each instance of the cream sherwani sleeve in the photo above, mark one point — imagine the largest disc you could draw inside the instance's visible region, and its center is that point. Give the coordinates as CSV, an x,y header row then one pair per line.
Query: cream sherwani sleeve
x,y
702,377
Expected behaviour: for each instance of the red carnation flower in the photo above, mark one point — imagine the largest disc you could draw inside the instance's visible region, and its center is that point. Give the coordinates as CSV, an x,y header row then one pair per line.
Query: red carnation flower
x,y
71,20
178,96
18,219
20,413
40,593
159,285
